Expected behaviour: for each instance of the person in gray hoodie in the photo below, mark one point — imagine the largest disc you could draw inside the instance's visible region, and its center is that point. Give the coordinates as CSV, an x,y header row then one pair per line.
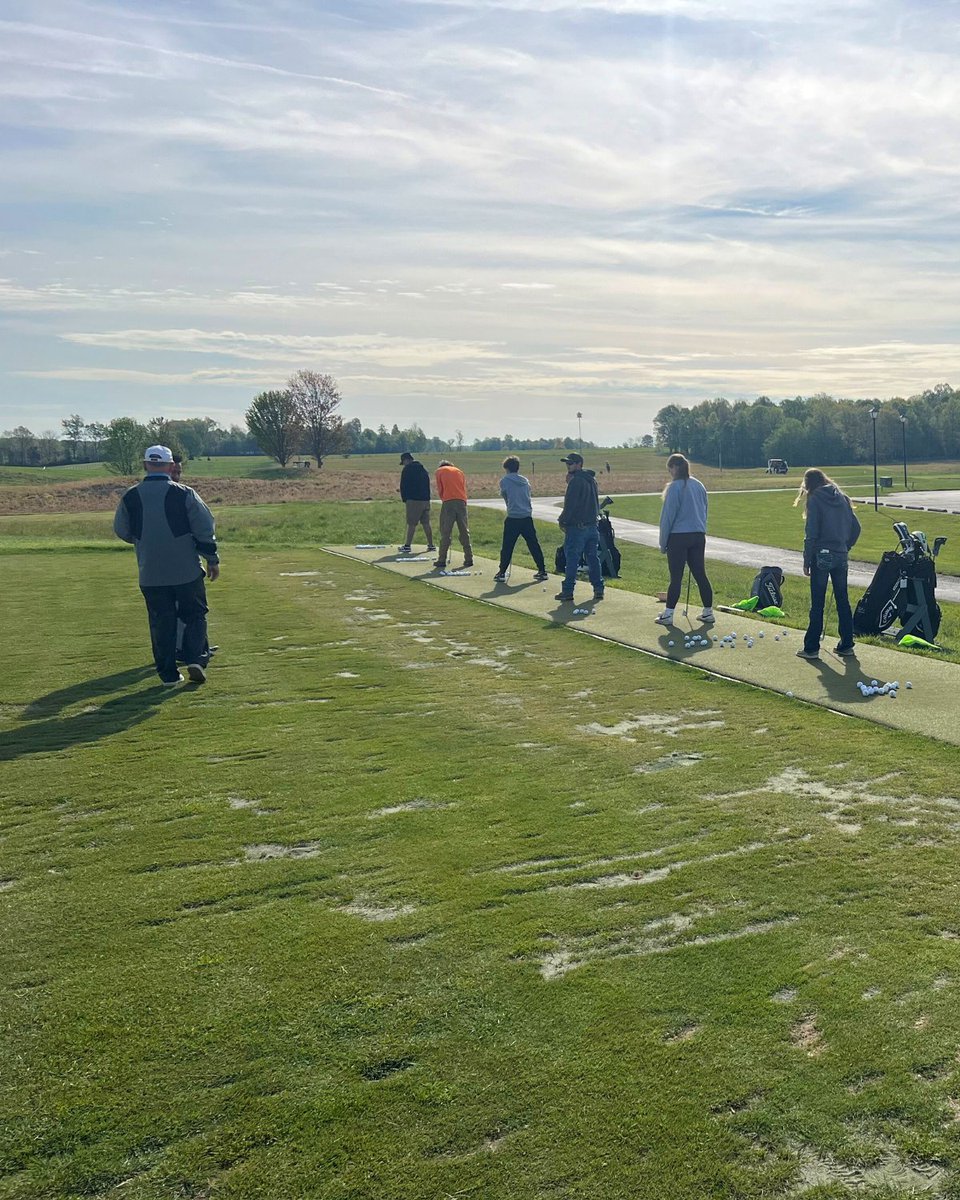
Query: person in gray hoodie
x,y
171,528
683,537
830,533
515,490
578,520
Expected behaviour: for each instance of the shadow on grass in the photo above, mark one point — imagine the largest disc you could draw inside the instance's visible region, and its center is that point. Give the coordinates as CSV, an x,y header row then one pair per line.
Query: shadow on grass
x,y
53,702
116,716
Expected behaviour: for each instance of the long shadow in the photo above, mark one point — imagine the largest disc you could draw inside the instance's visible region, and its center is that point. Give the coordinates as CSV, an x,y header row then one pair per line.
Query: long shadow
x,y
839,677
116,716
53,702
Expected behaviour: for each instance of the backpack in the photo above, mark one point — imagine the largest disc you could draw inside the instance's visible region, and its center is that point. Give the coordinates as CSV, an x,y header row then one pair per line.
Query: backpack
x,y
767,586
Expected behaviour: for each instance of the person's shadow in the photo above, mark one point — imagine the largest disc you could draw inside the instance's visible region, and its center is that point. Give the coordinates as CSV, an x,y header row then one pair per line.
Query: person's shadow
x,y
47,736
839,677
88,689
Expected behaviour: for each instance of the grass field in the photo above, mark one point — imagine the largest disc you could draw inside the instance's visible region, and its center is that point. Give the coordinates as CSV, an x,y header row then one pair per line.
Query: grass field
x,y
772,520
417,898
315,524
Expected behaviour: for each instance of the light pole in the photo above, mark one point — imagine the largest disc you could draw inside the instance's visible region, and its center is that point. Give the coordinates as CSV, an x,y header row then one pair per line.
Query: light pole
x,y
874,413
580,429
903,429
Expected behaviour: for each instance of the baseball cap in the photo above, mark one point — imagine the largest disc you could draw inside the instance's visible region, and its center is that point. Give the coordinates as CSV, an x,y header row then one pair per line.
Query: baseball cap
x,y
158,454
572,458
405,456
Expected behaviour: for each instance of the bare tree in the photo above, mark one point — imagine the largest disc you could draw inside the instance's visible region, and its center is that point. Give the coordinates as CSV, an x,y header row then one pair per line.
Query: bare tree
x,y
317,398
275,422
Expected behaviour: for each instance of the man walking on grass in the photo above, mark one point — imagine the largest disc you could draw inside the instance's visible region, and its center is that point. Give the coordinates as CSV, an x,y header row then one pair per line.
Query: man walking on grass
x,y
171,527
515,490
452,490
415,494
578,520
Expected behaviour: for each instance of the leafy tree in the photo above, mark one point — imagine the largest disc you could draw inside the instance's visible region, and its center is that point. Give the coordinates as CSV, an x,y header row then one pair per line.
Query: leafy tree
x,y
24,441
126,442
74,426
96,434
647,441
276,424
317,398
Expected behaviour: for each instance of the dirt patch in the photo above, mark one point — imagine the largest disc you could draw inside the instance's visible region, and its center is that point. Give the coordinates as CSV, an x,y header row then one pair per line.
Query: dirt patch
x,y
265,851
669,762
684,1034
370,909
891,1173
807,1037
407,807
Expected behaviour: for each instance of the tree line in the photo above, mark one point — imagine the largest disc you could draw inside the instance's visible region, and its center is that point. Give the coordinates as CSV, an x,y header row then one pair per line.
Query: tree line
x,y
296,421
813,429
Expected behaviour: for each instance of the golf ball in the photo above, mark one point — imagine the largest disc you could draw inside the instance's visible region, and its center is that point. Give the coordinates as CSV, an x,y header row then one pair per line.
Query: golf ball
x,y
790,694
908,684
669,643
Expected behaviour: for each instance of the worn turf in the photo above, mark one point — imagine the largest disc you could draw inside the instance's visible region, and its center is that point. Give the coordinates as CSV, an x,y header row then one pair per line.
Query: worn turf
x,y
421,899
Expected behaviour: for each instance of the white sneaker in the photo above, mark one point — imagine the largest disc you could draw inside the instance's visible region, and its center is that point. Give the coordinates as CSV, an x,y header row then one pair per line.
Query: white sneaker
x,y
196,673
172,682
707,616
666,617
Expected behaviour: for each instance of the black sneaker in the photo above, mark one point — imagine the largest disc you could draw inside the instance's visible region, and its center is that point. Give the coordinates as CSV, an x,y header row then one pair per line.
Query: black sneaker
x,y
563,596
500,577
403,549
597,596
431,549
440,564
541,577
467,563
845,651
809,654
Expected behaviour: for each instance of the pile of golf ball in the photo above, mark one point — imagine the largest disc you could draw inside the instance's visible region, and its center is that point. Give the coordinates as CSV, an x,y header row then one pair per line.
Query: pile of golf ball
x,y
873,688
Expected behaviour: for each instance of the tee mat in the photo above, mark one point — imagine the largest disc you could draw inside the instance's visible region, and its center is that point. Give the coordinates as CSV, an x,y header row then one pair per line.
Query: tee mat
x,y
738,646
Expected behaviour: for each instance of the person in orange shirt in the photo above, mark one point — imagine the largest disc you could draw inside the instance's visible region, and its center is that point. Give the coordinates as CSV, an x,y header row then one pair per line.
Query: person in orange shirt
x,y
452,490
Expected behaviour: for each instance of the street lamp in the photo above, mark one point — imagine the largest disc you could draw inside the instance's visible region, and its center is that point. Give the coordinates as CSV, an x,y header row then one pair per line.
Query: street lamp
x,y
874,413
903,429
580,429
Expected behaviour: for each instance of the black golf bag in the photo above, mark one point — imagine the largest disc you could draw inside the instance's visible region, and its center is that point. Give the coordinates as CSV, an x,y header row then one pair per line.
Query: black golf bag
x,y
767,585
609,553
903,587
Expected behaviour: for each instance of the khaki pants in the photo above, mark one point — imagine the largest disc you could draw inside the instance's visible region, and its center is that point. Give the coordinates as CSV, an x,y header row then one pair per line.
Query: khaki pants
x,y
454,512
418,513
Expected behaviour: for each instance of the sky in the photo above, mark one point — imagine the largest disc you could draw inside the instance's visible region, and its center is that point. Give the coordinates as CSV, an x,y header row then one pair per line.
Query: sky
x,y
479,215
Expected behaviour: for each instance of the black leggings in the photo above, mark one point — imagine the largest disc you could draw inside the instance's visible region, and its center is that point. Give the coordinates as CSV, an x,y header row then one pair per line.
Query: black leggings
x,y
684,548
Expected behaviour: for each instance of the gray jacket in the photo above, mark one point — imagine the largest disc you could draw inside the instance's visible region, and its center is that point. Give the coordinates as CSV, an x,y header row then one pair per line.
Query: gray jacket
x,y
170,526
515,489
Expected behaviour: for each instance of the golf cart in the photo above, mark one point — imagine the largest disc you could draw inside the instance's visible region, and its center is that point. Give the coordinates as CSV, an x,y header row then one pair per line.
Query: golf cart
x,y
777,466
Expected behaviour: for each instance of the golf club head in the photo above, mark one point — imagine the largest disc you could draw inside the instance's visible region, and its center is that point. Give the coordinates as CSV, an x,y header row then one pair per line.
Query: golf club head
x,y
920,538
607,502
937,543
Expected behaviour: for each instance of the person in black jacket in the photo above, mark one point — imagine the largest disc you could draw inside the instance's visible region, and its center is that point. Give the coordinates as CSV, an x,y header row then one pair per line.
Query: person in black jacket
x,y
831,532
415,493
578,520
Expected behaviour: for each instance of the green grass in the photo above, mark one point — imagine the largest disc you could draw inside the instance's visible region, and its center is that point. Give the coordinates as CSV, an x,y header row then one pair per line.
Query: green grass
x,y
753,957
773,521
305,524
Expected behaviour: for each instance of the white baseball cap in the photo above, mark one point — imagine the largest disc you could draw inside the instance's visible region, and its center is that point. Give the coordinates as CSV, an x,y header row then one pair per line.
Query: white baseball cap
x,y
158,454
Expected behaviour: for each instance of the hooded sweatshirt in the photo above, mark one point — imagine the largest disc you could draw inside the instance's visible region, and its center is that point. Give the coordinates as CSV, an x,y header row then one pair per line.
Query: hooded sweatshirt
x,y
684,509
515,489
581,504
831,524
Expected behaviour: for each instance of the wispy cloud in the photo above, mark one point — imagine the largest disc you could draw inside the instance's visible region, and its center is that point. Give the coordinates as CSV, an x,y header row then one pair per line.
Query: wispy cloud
x,y
610,202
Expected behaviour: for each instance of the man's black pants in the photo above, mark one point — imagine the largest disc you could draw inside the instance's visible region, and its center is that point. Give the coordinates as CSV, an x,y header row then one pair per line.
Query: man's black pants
x,y
186,602
517,527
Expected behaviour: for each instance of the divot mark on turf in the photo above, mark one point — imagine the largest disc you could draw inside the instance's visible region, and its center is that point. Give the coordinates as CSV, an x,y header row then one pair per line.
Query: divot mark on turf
x,y
7,885
418,805
669,762
385,1068
807,1037
786,995
265,851
347,675
684,1034
661,936
252,805
370,909
670,725
820,1170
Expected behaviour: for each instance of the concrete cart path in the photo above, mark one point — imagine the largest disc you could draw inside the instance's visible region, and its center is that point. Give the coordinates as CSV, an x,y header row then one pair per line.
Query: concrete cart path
x,y
628,618
740,554
948,502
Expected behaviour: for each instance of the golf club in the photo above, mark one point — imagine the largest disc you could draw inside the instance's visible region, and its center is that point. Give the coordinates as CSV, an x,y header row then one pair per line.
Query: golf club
x,y
687,601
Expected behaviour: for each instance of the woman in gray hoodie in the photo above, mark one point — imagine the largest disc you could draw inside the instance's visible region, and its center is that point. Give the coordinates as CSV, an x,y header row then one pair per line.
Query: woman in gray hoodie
x,y
830,533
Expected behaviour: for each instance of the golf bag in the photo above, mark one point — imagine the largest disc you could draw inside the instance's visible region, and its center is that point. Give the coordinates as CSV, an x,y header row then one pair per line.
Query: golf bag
x,y
609,552
903,587
767,585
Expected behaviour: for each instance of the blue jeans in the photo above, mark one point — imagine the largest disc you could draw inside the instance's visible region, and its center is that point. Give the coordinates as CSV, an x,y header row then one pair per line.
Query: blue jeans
x,y
585,540
837,574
